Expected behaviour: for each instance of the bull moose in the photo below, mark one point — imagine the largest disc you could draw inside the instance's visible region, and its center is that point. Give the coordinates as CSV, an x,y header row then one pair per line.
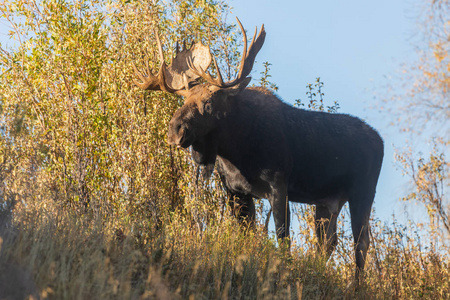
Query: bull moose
x,y
265,148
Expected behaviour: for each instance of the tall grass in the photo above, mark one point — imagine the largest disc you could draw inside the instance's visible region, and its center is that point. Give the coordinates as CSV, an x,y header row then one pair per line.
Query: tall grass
x,y
55,253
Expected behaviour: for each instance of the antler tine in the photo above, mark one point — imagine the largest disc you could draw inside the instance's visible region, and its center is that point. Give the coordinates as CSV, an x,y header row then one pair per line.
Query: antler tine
x,y
254,36
161,53
147,67
244,52
248,57
215,81
150,81
219,75
191,66
185,82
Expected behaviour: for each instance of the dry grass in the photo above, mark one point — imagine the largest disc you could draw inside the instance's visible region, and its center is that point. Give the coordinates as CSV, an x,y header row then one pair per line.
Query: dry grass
x,y
58,254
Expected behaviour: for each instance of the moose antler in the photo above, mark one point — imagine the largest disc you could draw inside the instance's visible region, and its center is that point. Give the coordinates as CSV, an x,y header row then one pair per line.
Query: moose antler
x,y
247,60
177,77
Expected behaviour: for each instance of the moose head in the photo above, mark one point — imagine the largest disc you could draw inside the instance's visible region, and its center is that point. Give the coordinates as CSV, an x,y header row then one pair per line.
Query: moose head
x,y
205,103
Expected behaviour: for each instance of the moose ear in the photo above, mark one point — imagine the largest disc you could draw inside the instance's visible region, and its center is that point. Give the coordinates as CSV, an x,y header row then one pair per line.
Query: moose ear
x,y
236,89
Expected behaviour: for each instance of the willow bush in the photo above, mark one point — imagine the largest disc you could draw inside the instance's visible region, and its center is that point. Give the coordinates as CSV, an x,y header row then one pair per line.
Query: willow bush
x,y
75,130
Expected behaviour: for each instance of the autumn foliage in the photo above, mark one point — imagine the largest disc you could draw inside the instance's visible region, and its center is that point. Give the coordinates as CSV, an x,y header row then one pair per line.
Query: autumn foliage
x,y
95,205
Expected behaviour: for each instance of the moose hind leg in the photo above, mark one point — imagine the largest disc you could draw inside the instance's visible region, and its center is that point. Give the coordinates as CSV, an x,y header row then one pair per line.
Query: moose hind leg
x,y
360,208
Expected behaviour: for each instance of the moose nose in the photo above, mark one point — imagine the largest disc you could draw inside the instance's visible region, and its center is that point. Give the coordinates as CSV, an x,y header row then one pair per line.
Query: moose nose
x,y
171,136
170,139
177,135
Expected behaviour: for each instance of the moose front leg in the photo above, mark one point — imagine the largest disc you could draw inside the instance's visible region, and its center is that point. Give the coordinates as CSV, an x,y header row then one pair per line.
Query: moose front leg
x,y
326,230
326,224
243,208
281,212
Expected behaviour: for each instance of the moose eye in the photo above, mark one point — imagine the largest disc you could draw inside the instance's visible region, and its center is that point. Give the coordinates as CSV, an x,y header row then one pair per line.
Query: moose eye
x,y
207,107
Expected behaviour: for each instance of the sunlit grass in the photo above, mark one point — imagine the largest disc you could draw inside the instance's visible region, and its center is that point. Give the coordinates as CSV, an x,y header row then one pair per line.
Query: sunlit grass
x,y
58,254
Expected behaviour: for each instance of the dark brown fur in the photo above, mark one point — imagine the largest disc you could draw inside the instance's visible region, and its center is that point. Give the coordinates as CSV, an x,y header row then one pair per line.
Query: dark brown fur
x,y
267,149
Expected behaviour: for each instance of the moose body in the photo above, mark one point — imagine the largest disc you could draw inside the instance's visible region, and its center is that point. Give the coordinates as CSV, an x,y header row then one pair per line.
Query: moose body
x,y
268,149
264,148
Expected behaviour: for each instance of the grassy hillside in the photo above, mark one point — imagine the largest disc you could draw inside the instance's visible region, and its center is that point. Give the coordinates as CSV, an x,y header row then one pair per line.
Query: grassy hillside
x,y
61,254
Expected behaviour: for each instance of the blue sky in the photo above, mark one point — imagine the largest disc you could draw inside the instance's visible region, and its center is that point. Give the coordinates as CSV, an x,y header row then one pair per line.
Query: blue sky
x,y
354,46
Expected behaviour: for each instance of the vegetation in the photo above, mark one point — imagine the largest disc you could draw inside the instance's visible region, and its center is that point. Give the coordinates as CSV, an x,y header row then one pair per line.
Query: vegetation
x,y
315,96
422,111
95,205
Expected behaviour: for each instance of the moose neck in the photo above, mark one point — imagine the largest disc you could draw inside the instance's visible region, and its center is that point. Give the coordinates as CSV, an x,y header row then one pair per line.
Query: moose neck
x,y
222,139
240,123
204,150
236,126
